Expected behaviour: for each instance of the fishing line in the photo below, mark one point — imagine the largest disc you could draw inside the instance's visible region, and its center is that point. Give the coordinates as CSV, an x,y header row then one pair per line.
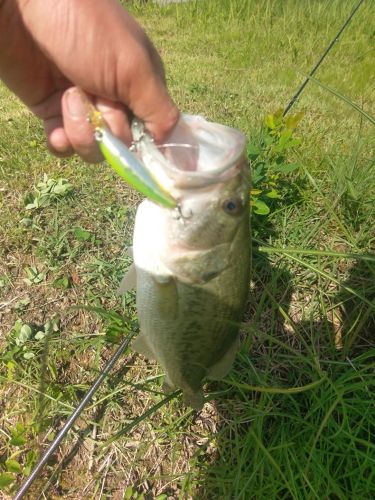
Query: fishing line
x,y
328,49
56,442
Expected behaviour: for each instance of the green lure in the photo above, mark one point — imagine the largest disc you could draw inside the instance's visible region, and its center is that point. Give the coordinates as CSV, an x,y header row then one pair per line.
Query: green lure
x,y
127,165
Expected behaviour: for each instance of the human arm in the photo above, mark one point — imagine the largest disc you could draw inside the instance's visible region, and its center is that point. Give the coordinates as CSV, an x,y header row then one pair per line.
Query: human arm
x,y
50,48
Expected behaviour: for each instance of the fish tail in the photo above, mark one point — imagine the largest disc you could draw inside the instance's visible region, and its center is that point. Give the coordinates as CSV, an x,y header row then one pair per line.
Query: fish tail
x,y
195,399
191,397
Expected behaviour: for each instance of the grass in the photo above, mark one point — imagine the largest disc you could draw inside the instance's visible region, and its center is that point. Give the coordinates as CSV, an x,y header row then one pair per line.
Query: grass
x,y
295,417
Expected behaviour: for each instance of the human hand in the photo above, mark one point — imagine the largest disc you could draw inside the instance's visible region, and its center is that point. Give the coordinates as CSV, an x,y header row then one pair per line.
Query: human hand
x,y
50,49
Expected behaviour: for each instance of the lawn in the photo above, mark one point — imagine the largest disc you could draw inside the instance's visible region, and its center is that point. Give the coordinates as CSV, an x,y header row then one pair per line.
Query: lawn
x,y
295,418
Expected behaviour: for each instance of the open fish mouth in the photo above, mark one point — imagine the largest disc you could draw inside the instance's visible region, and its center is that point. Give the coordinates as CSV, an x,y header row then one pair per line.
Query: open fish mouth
x,y
197,153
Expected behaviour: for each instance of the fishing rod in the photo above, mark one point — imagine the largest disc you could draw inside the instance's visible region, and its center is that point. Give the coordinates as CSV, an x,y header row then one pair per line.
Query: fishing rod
x,y
82,405
323,56
56,442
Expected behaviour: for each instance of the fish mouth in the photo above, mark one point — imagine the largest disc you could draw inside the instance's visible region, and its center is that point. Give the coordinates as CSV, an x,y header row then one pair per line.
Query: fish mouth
x,y
197,153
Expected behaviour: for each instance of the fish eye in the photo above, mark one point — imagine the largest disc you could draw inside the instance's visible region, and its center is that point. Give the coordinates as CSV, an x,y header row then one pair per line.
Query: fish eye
x,y
233,206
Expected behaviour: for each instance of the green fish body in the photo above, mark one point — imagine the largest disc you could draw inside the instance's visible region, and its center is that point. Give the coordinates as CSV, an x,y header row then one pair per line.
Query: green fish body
x,y
191,263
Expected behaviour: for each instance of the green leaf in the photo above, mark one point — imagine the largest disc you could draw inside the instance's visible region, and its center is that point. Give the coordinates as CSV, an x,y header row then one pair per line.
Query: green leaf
x,y
270,121
260,207
51,436
114,335
28,355
286,168
34,276
284,137
17,440
26,222
81,234
5,480
128,493
62,187
40,335
31,206
13,466
20,428
292,121
22,304
23,333
274,194
52,325
293,143
253,151
10,369
31,459
62,282
258,173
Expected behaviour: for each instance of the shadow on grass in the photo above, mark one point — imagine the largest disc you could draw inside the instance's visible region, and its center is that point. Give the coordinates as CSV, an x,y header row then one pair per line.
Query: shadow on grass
x,y
298,420
358,316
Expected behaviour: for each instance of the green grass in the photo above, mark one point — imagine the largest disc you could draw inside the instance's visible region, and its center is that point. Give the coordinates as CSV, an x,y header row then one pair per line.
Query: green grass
x,y
295,417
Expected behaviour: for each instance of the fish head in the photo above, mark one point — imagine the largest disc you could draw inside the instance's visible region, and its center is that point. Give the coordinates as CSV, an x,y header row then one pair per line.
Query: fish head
x,y
210,215
209,176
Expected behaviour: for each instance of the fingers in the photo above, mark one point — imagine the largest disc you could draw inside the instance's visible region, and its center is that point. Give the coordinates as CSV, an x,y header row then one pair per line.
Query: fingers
x,y
73,132
117,118
156,109
148,100
79,132
115,60
57,140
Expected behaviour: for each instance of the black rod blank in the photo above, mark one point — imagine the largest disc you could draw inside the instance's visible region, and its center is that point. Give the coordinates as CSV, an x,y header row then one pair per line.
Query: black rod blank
x,y
68,425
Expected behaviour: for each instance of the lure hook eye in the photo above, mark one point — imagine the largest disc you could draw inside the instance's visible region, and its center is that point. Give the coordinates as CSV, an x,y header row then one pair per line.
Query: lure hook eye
x,y
98,135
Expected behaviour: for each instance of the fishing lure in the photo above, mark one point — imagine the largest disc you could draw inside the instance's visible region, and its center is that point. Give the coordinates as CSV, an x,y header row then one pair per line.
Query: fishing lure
x,y
123,161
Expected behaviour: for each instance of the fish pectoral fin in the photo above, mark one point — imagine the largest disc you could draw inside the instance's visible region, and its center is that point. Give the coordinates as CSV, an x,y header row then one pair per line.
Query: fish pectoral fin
x,y
200,267
222,367
141,346
166,297
129,281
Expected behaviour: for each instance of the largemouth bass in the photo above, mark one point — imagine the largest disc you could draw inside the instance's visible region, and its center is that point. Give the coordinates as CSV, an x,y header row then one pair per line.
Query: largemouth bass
x,y
191,263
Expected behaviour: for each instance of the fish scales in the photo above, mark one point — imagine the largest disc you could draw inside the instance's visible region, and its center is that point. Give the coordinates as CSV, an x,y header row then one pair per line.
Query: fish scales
x,y
192,267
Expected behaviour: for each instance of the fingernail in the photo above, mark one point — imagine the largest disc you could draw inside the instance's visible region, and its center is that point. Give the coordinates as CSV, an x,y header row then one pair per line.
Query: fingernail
x,y
104,106
77,106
